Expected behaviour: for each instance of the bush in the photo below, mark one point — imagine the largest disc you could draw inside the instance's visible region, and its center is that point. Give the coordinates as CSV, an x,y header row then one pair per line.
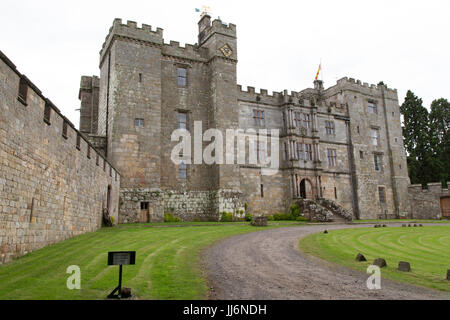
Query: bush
x,y
271,218
283,217
294,211
227,217
300,218
248,217
168,217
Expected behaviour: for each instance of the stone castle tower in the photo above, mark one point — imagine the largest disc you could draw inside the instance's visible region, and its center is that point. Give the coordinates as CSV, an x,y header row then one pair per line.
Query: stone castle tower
x,y
343,144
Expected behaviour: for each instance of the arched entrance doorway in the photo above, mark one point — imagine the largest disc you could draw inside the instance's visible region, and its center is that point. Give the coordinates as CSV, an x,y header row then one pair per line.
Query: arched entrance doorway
x,y
306,189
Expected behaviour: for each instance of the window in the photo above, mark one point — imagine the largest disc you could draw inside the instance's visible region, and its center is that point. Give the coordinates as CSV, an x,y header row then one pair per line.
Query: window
x,y
23,90
329,128
331,154
261,152
297,119
375,136
357,129
47,113
306,121
144,205
372,107
335,193
378,160
97,161
139,123
361,155
110,171
183,120
182,170
89,152
64,130
182,77
262,191
140,77
382,194
104,165
258,118
308,152
300,153
78,142
286,152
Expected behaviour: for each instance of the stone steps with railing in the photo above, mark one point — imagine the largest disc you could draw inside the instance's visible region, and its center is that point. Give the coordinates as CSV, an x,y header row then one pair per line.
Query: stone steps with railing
x,y
324,210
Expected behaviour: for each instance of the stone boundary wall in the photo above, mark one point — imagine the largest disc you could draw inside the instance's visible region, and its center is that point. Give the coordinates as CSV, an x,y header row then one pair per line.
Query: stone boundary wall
x,y
188,206
53,183
426,203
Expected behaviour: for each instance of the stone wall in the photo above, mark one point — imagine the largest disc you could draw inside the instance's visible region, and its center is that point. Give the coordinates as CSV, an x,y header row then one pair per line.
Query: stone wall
x,y
426,203
138,80
50,189
188,206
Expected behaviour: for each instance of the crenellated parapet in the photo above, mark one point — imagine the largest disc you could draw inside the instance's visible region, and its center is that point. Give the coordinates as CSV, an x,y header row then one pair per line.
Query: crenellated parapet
x,y
435,188
130,30
208,28
189,51
276,98
366,88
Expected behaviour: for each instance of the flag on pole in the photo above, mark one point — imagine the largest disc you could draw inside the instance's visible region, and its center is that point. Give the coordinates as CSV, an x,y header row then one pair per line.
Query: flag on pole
x,y
197,10
318,72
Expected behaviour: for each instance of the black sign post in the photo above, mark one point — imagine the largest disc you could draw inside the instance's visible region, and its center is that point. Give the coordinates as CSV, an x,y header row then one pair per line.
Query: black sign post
x,y
119,259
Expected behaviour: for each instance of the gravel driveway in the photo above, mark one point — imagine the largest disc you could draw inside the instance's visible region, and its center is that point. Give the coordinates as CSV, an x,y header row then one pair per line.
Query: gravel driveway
x,y
267,265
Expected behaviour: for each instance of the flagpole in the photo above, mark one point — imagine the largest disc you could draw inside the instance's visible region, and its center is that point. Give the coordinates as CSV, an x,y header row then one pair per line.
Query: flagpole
x,y
321,67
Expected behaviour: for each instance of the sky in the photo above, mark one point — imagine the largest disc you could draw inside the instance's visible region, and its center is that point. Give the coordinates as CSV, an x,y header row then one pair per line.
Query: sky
x,y
280,43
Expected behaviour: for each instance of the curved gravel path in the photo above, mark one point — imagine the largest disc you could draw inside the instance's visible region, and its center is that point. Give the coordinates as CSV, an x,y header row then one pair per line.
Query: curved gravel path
x,y
268,265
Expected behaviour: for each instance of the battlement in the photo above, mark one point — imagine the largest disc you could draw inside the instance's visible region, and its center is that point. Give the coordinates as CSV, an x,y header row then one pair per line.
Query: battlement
x,y
431,187
189,51
132,31
217,24
56,117
89,82
262,92
276,98
364,85
208,28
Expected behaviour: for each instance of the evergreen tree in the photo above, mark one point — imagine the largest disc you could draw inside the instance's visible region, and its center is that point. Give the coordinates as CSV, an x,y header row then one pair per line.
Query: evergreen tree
x,y
440,140
416,133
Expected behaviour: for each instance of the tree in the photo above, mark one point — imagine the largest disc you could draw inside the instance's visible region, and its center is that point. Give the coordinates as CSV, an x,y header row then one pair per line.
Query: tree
x,y
416,133
440,140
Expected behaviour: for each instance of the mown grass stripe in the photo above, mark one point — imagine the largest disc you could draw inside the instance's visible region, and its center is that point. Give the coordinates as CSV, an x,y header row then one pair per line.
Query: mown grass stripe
x,y
423,248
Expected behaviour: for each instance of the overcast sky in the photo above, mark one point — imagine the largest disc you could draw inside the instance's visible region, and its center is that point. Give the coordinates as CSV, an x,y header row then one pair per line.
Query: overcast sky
x,y
280,43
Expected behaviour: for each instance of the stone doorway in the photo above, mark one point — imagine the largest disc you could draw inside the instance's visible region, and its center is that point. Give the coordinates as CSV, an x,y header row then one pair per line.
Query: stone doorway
x,y
306,189
445,207
144,213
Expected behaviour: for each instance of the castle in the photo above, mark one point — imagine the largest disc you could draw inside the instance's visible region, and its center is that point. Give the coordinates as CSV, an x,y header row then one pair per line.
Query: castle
x,y
340,148
343,143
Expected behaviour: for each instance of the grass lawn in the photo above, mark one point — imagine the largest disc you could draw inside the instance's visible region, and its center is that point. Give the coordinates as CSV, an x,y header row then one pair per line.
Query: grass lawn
x,y
167,264
427,249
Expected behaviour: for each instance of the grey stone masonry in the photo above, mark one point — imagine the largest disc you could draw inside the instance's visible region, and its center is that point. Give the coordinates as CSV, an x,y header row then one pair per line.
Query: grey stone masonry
x,y
53,183
426,203
343,144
